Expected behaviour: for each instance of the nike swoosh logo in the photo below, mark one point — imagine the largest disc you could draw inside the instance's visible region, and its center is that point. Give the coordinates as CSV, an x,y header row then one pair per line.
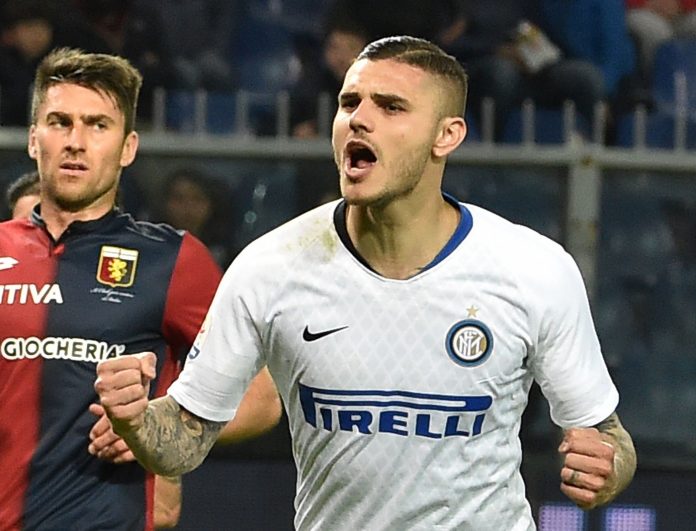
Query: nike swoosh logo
x,y
7,262
312,336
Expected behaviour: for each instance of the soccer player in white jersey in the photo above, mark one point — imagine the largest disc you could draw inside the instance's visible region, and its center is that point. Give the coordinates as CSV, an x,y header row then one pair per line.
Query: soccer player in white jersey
x,y
403,330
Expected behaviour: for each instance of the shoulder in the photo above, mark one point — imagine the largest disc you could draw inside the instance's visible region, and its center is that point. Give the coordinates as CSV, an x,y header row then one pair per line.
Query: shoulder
x,y
165,240
156,232
523,253
298,237
18,230
300,243
504,236
14,225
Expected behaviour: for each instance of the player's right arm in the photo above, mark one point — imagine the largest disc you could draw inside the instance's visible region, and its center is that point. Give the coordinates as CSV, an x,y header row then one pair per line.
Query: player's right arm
x,y
164,437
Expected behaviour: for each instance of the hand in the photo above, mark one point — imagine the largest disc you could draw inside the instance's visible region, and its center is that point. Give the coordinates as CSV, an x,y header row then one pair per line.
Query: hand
x,y
587,476
123,385
105,443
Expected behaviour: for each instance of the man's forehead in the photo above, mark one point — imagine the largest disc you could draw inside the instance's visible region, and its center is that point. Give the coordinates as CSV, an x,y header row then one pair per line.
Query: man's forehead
x,y
383,75
70,98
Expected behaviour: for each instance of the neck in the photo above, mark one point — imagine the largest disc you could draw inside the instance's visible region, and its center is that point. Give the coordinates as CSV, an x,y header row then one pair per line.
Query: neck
x,y
400,240
57,219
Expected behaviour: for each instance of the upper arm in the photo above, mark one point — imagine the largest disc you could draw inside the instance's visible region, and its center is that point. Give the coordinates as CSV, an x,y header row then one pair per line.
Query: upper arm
x,y
567,361
192,286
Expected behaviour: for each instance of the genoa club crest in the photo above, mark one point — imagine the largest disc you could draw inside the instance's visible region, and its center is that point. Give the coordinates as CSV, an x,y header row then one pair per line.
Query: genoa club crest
x,y
117,266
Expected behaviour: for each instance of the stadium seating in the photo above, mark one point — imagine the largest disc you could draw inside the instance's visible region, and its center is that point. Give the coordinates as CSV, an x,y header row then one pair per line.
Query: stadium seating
x,y
672,123
674,76
548,127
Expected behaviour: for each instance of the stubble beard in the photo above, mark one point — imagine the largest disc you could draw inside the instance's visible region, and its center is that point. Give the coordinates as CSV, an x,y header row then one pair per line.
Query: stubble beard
x,y
75,201
402,181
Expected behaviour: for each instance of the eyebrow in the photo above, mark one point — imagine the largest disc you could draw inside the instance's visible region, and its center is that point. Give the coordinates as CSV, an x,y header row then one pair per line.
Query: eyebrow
x,y
387,99
377,97
86,118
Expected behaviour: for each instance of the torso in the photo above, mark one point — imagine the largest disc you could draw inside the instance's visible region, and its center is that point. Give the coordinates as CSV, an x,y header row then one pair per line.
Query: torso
x,y
406,415
99,292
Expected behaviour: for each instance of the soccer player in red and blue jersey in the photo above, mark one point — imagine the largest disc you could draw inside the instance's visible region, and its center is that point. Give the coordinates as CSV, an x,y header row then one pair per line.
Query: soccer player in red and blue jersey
x,y
81,282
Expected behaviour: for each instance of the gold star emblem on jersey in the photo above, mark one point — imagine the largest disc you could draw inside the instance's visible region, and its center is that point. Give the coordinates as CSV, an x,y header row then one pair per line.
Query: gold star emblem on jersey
x,y
117,266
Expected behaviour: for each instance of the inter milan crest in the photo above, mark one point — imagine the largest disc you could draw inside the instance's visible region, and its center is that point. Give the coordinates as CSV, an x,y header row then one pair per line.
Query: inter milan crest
x,y
117,266
469,342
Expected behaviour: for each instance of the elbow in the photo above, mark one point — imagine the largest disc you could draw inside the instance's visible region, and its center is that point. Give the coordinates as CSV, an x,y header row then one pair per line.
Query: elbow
x,y
259,411
167,518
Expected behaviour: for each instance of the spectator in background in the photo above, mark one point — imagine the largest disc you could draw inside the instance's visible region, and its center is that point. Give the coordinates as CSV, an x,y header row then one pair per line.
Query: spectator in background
x,y
23,195
133,29
30,29
397,17
197,37
192,201
490,39
595,31
652,22
323,78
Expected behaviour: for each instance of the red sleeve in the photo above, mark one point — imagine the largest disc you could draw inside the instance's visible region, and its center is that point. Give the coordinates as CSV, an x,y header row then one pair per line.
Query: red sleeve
x,y
194,280
634,4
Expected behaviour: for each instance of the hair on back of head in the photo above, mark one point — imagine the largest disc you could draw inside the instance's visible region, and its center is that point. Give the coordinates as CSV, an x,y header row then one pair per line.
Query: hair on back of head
x,y
26,184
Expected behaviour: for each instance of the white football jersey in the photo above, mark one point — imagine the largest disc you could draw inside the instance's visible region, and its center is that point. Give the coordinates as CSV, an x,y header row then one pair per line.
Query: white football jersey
x,y
404,397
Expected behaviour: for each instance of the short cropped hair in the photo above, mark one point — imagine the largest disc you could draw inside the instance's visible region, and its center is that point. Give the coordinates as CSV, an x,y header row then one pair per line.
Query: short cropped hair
x,y
427,56
25,184
108,74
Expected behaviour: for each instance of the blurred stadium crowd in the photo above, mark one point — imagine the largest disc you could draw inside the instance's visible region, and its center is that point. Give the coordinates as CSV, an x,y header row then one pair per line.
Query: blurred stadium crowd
x,y
273,67
620,73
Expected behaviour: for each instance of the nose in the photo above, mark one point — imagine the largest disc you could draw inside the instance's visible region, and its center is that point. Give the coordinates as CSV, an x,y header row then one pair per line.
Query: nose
x,y
362,117
76,138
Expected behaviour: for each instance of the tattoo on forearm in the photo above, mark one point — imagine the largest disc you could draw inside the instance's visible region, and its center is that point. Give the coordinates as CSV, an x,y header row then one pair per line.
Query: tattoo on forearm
x,y
624,457
171,440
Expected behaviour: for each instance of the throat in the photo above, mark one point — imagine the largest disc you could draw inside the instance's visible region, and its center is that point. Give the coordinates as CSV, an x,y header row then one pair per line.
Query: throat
x,y
402,251
398,271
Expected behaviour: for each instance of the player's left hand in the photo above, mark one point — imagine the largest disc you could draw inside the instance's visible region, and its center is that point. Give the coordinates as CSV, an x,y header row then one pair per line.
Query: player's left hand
x,y
588,466
105,444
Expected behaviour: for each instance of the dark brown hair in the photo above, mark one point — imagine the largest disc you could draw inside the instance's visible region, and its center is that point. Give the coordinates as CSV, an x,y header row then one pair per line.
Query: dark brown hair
x,y
427,56
26,184
108,74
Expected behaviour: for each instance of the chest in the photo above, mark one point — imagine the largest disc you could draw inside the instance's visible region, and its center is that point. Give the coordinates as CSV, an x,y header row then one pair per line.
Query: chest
x,y
444,333
110,289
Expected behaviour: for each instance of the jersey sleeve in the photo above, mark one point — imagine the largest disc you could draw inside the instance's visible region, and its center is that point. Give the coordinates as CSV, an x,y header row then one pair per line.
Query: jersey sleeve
x,y
194,280
227,353
567,362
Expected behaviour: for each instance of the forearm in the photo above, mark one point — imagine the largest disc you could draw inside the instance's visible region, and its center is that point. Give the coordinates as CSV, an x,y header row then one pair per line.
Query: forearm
x,y
170,441
167,502
258,412
614,433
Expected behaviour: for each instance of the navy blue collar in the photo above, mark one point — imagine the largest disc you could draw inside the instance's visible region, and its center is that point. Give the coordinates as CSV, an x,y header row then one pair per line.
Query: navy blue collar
x,y
112,218
461,232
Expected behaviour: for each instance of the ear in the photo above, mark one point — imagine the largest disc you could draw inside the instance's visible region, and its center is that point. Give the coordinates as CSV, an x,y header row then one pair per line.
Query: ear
x,y
452,133
130,148
31,143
